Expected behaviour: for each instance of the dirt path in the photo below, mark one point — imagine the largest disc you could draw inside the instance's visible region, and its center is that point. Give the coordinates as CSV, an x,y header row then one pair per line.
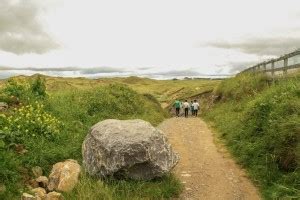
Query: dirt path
x,y
206,170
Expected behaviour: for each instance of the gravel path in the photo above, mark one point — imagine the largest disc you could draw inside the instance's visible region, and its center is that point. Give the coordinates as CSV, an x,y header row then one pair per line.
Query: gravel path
x,y
206,169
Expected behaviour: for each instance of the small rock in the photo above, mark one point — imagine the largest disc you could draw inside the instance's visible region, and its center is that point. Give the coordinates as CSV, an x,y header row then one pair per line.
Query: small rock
x,y
186,175
39,192
54,196
3,106
37,171
26,196
33,183
42,181
2,188
64,176
20,149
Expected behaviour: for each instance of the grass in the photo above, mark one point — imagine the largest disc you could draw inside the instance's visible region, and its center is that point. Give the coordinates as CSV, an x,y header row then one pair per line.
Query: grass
x,y
79,103
78,109
259,120
165,91
93,189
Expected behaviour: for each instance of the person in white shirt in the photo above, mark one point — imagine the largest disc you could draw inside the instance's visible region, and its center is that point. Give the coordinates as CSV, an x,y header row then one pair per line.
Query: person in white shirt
x,y
186,107
196,108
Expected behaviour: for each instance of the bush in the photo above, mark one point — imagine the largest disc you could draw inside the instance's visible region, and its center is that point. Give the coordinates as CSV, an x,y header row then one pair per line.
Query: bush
x,y
13,88
29,121
24,91
115,100
38,87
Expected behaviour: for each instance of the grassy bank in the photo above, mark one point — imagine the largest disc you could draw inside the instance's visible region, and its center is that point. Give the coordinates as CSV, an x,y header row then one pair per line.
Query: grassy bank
x,y
41,129
259,120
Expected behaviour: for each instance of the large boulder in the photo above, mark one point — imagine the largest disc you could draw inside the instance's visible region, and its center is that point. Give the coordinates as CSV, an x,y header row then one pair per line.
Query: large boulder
x,y
129,148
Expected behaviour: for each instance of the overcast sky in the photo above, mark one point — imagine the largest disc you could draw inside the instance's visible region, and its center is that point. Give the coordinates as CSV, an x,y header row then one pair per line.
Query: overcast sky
x,y
156,38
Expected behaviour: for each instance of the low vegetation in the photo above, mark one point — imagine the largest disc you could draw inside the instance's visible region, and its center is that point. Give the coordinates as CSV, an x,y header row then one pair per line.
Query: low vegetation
x,y
43,127
90,188
259,120
165,91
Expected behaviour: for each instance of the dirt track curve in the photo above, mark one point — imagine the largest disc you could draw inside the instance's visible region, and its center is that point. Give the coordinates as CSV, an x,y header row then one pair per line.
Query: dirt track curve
x,y
205,169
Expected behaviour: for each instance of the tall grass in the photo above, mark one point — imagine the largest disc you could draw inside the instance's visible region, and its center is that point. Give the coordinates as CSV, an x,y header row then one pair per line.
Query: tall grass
x,y
112,189
260,123
245,85
78,110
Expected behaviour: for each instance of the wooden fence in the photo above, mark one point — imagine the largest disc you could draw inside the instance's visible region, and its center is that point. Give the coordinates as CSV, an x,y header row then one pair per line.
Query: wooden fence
x,y
287,64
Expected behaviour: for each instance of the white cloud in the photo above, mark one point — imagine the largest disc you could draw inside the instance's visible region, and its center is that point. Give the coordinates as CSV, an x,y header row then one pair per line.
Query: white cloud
x,y
162,36
20,30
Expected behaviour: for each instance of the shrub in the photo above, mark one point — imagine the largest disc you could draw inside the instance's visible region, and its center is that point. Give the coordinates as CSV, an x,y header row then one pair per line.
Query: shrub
x,y
13,88
38,87
29,121
24,91
114,100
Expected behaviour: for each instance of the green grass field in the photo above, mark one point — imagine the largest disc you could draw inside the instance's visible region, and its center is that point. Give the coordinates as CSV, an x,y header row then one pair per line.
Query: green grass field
x,y
52,127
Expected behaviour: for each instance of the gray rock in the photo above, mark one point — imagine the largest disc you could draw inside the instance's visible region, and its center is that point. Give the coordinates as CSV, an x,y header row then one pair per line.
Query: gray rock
x,y
129,148
3,106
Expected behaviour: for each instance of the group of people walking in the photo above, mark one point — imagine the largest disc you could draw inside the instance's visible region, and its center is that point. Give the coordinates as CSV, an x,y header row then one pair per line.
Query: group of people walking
x,y
193,107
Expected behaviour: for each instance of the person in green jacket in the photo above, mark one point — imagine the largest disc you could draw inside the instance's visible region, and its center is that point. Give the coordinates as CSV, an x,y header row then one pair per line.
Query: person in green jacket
x,y
192,108
177,106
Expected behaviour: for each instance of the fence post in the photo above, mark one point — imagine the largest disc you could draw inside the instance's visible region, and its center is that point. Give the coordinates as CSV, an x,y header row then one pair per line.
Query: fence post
x,y
258,69
285,66
272,68
283,69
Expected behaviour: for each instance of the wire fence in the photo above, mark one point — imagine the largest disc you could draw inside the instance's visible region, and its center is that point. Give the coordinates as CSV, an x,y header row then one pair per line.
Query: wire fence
x,y
287,64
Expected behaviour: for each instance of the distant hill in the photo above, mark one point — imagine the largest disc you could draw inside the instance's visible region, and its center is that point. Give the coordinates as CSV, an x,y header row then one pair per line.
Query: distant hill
x,y
164,90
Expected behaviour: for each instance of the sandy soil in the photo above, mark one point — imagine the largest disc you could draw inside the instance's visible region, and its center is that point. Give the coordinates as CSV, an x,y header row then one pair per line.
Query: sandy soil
x,y
206,169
